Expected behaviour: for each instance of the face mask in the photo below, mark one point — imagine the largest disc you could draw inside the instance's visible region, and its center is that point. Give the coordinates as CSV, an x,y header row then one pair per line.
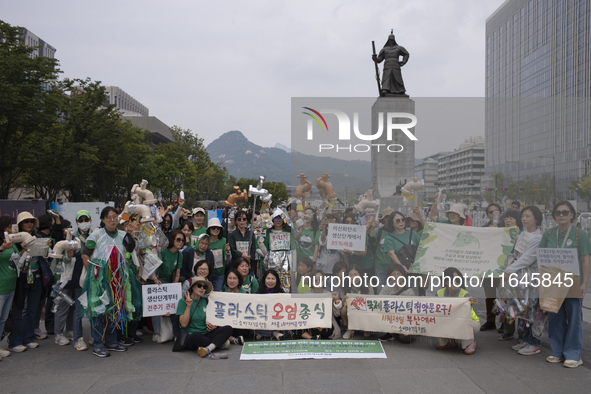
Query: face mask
x,y
84,226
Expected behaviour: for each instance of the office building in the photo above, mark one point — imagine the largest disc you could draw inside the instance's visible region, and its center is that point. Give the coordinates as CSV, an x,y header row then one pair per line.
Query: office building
x,y
120,99
460,171
32,40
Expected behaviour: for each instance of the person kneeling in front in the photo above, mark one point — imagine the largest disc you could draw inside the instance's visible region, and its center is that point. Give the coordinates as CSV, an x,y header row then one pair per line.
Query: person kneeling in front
x,y
192,309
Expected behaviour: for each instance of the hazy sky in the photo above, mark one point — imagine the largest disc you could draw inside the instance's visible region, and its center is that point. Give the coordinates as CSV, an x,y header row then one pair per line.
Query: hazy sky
x,y
234,65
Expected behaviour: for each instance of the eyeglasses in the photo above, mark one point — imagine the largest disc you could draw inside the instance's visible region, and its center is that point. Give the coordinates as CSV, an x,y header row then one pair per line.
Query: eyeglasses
x,y
200,286
28,221
202,269
277,218
241,220
179,240
562,213
112,217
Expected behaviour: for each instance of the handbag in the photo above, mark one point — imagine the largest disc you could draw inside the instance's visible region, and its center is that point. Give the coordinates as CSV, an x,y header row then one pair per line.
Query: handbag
x,y
181,340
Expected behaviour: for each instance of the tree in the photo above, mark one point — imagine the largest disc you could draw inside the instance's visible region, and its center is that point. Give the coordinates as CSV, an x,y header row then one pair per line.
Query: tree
x,y
27,104
582,186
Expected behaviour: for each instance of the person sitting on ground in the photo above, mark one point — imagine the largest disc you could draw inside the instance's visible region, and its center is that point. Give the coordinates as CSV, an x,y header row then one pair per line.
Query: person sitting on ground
x,y
452,291
249,282
353,284
397,285
333,332
271,285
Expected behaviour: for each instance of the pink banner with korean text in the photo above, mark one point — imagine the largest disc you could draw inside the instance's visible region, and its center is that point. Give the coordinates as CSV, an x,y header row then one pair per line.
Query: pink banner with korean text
x,y
427,316
270,311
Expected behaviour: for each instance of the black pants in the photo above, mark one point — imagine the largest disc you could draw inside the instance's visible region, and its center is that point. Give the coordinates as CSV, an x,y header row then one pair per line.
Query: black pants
x,y
131,329
218,337
324,334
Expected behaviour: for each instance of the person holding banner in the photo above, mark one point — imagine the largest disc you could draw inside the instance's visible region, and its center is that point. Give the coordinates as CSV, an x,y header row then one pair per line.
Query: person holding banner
x,y
396,285
353,283
271,285
456,288
192,309
327,258
249,282
333,332
565,328
364,259
382,259
308,236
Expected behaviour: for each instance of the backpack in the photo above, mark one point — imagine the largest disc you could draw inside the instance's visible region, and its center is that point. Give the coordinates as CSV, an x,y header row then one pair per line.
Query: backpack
x,y
406,254
552,229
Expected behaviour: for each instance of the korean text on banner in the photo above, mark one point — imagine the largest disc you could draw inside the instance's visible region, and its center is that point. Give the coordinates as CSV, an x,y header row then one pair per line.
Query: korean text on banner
x,y
345,236
428,316
160,299
559,277
474,251
270,311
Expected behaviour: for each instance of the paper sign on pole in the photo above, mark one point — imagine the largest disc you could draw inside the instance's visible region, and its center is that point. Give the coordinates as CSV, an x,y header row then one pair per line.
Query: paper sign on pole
x,y
161,299
270,311
559,277
448,317
345,236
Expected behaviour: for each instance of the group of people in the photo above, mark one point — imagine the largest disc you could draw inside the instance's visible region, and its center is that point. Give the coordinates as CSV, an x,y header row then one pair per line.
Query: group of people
x,y
246,254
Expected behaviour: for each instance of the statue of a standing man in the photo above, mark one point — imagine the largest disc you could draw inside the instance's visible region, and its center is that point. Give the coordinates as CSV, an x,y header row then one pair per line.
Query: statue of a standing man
x,y
392,83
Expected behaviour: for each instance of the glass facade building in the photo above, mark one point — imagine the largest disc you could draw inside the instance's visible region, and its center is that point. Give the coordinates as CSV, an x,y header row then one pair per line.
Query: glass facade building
x,y
538,85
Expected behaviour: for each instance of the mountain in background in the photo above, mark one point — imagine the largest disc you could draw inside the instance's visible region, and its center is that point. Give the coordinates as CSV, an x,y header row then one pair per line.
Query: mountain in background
x,y
281,146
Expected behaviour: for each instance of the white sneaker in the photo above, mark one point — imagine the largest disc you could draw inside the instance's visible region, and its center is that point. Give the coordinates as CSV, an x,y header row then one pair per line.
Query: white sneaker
x,y
157,338
519,346
18,349
40,334
4,353
225,346
61,340
530,350
348,334
70,335
139,333
32,345
80,345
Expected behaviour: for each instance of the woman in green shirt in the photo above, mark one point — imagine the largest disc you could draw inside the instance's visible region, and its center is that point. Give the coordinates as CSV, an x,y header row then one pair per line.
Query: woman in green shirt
x,y
399,238
233,282
7,274
308,236
192,309
220,250
249,283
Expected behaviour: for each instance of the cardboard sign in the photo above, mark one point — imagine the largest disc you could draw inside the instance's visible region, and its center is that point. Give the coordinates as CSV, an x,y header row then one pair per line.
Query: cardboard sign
x,y
448,317
346,236
559,277
160,299
279,240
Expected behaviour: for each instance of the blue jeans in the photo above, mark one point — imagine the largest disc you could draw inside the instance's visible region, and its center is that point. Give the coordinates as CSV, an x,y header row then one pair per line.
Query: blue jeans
x,y
529,338
78,313
102,334
382,275
217,280
23,319
565,330
5,303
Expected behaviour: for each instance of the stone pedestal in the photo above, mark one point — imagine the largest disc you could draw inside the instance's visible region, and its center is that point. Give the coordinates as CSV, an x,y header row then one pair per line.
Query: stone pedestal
x,y
391,169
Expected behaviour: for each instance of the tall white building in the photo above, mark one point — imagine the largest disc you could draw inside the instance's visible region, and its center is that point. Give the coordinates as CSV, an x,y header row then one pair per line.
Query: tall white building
x,y
124,101
32,40
460,171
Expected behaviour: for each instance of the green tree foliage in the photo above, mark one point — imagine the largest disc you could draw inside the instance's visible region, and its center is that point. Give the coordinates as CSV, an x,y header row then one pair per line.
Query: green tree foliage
x,y
582,187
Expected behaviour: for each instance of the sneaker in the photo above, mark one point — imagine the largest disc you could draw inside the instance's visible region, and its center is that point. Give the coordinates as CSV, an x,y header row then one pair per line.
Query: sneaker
x,y
530,350
157,338
506,337
116,347
386,337
18,349
100,352
239,340
276,335
70,335
450,344
550,359
90,341
366,334
225,346
348,334
32,345
471,348
4,353
203,351
80,345
520,345
137,339
40,334
572,363
61,340
488,326
126,342
139,333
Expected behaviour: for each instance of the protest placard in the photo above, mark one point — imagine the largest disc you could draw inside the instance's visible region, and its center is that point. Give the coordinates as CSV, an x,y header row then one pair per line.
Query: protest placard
x,y
160,299
559,277
428,316
279,240
345,236
323,349
474,251
270,311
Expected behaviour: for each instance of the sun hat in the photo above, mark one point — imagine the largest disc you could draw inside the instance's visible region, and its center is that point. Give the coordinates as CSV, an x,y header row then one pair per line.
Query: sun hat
x,y
200,279
214,222
197,210
24,216
386,212
456,208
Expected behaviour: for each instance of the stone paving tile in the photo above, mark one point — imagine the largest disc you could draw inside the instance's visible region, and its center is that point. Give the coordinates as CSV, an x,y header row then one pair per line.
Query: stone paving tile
x,y
420,381
330,380
141,383
495,380
49,384
231,381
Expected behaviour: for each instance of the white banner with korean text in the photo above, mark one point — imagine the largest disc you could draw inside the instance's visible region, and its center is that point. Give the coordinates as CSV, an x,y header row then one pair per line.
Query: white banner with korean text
x,y
270,311
345,236
160,299
448,317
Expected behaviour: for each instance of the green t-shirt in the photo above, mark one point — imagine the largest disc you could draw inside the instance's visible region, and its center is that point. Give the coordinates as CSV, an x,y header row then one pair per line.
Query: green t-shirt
x,y
196,233
170,263
364,262
250,284
7,273
307,242
199,311
240,290
383,261
401,240
303,288
443,220
218,248
557,238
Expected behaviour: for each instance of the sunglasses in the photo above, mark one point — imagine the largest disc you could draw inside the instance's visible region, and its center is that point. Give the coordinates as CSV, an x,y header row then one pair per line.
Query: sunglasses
x,y
200,286
562,213
179,240
85,219
399,220
28,221
216,229
241,220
